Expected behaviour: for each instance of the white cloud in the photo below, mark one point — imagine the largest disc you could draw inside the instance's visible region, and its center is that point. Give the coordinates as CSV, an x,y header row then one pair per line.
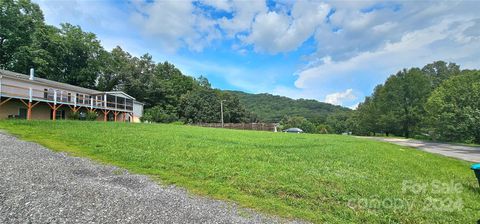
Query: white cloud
x,y
176,24
384,27
340,97
243,14
275,32
415,48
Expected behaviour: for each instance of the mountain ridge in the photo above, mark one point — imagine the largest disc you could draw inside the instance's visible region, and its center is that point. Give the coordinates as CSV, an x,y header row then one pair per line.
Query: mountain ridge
x,y
272,108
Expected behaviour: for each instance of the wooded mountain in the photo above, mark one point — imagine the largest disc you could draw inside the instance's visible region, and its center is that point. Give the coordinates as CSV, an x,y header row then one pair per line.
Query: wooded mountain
x,y
272,108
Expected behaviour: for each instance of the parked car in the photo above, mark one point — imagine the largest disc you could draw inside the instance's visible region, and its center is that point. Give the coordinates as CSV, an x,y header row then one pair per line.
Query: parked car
x,y
293,130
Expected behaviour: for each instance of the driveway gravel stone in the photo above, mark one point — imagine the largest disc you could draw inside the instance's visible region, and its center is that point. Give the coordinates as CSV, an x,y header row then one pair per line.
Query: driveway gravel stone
x,y
41,186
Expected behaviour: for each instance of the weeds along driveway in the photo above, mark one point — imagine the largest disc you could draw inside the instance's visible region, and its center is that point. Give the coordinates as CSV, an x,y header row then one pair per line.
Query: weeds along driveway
x,y
41,186
467,153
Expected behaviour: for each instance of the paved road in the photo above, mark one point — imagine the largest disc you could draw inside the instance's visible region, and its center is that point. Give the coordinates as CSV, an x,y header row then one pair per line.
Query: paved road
x,y
467,153
41,186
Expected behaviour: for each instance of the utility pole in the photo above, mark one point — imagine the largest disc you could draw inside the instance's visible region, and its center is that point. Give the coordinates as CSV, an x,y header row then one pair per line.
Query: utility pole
x,y
221,110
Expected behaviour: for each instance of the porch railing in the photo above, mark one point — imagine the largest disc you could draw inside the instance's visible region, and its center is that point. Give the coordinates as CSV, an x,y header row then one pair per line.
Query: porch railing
x,y
67,97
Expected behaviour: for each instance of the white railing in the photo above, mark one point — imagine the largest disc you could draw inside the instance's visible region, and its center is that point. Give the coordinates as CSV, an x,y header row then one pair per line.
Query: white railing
x,y
65,97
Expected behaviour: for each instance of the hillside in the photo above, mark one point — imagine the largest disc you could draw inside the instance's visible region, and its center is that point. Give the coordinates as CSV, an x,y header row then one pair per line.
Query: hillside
x,y
271,108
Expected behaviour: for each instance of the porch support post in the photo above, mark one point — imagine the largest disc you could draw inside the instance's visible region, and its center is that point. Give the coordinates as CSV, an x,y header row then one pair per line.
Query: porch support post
x,y
3,102
30,95
115,113
105,112
29,106
55,97
29,111
1,87
54,110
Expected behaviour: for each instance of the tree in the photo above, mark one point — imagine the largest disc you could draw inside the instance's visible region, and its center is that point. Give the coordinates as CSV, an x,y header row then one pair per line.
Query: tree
x,y
114,69
337,122
398,104
160,114
454,109
366,118
324,129
19,20
200,106
440,71
233,110
203,105
80,58
65,55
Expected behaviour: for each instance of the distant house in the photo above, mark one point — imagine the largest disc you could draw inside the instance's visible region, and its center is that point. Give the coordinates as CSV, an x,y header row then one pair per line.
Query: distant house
x,y
29,97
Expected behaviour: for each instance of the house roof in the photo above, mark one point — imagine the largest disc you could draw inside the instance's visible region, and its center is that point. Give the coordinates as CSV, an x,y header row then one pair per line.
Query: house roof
x,y
47,82
120,93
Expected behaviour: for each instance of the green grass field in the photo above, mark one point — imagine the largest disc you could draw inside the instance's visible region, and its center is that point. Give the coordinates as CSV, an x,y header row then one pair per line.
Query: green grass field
x,y
319,178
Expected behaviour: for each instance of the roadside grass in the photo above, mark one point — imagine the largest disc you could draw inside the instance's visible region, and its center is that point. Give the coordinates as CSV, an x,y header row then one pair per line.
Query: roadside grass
x,y
318,178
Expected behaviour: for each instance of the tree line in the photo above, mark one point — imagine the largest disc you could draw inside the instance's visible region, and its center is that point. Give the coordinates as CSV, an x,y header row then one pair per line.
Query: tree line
x,y
70,55
439,102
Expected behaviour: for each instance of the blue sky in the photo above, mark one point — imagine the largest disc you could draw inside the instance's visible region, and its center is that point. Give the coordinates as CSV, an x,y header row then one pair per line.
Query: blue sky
x,y
331,51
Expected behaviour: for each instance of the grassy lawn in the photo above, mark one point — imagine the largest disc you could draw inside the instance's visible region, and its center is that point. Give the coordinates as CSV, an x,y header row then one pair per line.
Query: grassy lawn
x,y
319,178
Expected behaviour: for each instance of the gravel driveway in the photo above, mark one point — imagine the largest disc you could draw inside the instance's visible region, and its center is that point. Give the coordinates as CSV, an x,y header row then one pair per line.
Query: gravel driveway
x,y
468,153
41,186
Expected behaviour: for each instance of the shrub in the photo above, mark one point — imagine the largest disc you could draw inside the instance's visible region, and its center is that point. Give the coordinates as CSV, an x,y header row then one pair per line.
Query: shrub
x,y
160,115
74,116
91,116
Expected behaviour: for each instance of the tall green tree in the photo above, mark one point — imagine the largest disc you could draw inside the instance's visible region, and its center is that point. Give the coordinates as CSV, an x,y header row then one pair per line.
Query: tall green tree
x,y
365,118
397,106
338,122
19,21
440,71
454,109
200,106
115,68
80,59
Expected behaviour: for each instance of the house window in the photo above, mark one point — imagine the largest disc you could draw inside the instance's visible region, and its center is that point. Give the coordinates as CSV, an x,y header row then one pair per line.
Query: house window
x,y
69,97
45,94
22,113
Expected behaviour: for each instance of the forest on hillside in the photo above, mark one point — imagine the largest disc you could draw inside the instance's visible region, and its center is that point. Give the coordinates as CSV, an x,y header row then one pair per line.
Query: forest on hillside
x,y
272,108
